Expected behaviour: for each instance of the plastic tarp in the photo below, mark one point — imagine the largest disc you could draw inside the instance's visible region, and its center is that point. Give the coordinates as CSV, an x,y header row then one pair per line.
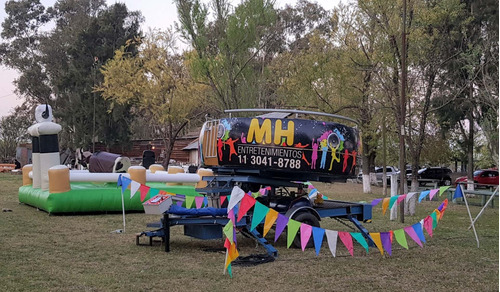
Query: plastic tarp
x,y
210,211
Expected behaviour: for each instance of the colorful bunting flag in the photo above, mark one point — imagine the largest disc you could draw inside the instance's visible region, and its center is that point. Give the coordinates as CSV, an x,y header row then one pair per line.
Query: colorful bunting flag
x,y
443,189
189,201
346,239
385,205
411,232
386,241
246,203
237,195
375,202
134,187
143,190
318,234
228,231
433,193
419,230
119,182
198,201
222,199
305,235
393,200
205,201
423,194
259,213
125,183
281,223
428,225
401,238
458,193
400,198
361,239
378,242
331,237
153,192
293,228
271,217
435,215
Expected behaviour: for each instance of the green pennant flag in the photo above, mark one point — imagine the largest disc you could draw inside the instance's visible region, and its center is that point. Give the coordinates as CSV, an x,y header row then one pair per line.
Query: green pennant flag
x,y
293,227
228,231
189,201
392,201
401,238
361,239
434,220
259,213
443,189
153,192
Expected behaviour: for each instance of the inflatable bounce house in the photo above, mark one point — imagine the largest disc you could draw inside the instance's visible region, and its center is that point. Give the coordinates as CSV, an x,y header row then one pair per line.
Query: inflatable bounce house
x,y
55,188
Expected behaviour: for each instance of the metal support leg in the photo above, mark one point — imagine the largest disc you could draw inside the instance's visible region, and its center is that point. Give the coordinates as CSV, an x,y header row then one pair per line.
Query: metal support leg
x,y
166,230
363,230
261,240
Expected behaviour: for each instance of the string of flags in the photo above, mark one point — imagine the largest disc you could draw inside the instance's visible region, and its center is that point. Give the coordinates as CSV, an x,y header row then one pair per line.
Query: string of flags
x,y
240,203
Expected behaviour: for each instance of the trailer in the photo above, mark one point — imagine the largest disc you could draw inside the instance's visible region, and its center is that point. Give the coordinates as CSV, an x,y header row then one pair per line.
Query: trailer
x,y
280,154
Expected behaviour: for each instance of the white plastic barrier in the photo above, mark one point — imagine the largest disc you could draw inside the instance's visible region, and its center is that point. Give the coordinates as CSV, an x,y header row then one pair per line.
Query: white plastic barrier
x,y
159,176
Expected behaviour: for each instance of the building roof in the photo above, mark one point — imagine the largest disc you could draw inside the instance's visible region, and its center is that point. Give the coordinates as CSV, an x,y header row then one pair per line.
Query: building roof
x,y
192,146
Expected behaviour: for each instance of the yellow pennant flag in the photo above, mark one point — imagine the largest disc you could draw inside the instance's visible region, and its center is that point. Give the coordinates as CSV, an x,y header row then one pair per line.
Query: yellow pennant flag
x,y
385,204
378,241
271,217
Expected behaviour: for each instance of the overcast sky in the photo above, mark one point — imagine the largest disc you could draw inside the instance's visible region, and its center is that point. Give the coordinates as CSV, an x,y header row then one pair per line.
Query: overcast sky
x,y
157,13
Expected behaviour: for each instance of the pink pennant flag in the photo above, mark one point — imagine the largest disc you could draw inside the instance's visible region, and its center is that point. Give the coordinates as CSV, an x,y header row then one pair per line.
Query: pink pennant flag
x,y
411,232
305,235
400,198
231,217
428,225
433,193
143,190
246,203
199,201
346,239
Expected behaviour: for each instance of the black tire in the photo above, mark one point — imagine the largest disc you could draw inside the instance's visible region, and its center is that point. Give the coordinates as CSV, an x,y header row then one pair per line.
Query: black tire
x,y
307,218
447,182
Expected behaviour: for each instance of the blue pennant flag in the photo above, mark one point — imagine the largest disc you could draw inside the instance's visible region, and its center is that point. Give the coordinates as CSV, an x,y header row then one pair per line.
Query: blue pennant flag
x,y
318,234
119,182
458,192
423,195
125,182
419,231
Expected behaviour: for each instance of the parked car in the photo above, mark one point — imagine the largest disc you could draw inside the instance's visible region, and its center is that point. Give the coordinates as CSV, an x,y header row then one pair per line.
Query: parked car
x,y
390,170
481,177
442,174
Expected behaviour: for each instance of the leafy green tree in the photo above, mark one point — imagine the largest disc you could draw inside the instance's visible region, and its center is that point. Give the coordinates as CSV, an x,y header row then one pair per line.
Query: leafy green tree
x,y
157,85
60,64
228,48
13,130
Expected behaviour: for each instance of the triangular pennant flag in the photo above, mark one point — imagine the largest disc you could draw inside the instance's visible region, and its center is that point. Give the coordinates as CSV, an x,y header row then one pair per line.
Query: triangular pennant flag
x,y
228,230
443,189
375,202
386,241
361,239
419,231
231,217
236,195
458,193
318,234
378,242
392,201
428,225
134,187
410,195
259,213
198,201
331,237
400,198
385,205
230,271
435,215
293,227
233,252
271,217
222,199
153,192
246,203
205,201
119,182
189,201
305,235
423,194
281,223
411,232
401,238
433,193
125,183
143,190
346,239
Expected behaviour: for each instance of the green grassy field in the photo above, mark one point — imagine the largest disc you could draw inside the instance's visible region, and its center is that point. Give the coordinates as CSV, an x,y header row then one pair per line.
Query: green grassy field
x,y
79,253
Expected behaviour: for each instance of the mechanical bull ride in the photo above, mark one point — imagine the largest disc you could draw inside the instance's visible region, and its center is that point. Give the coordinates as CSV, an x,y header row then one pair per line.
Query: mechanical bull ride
x,y
272,157
55,188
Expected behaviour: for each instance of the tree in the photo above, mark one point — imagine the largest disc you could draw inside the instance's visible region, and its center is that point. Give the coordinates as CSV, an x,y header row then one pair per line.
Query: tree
x,y
156,84
60,64
227,49
13,130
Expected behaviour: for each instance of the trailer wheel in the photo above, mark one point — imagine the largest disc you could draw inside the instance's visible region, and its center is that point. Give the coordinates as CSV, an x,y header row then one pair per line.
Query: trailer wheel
x,y
307,218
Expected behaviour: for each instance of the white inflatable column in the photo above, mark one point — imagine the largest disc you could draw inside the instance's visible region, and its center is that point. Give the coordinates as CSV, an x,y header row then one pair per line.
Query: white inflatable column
x,y
35,159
